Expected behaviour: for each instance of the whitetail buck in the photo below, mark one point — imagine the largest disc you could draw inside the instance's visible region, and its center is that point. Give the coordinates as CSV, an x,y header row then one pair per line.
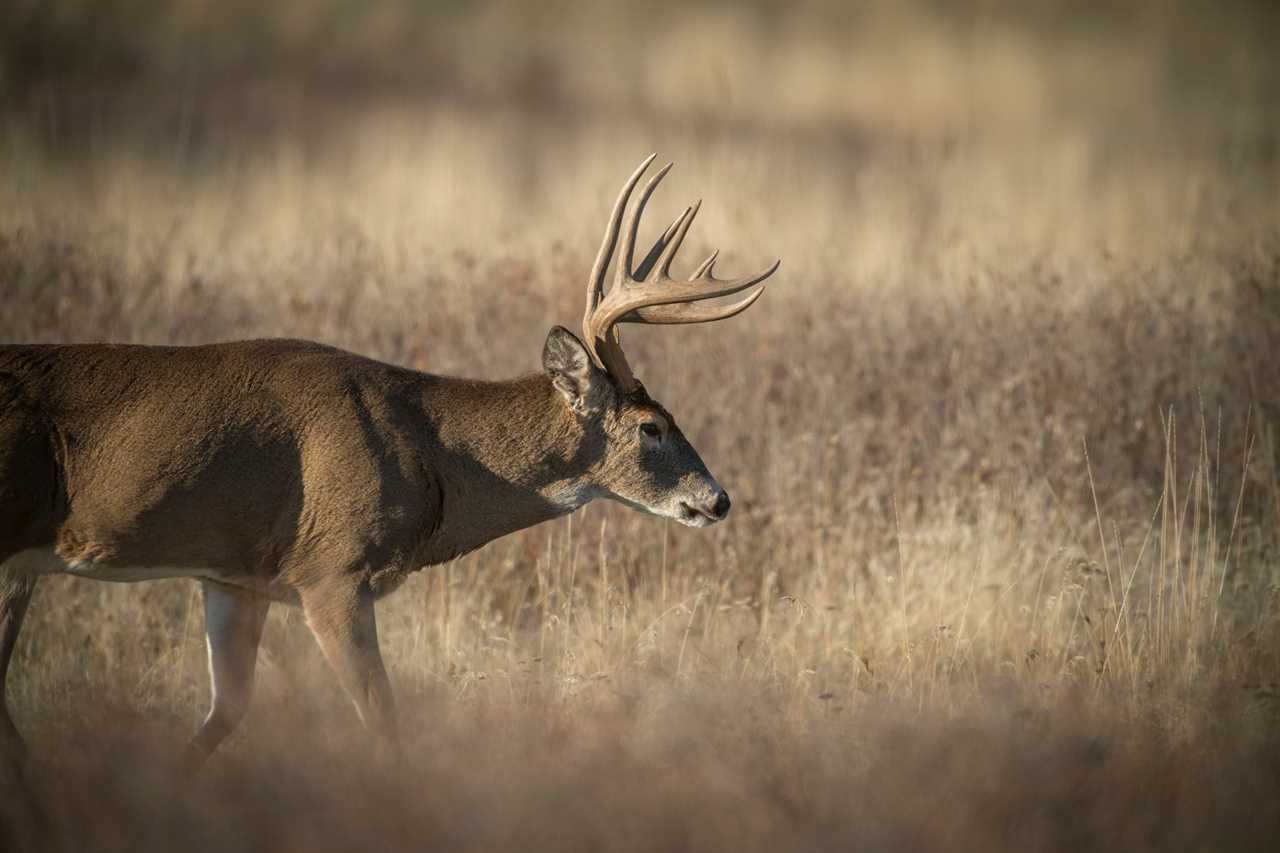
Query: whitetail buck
x,y
291,471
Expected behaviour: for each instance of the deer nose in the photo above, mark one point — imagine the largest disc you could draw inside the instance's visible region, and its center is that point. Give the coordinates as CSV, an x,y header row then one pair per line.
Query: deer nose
x,y
721,507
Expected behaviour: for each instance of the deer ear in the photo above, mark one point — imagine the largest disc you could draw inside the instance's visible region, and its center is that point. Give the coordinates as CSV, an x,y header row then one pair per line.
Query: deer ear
x,y
584,386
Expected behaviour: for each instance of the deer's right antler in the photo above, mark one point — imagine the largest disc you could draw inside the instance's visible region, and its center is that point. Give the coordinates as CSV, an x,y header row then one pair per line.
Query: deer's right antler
x,y
649,294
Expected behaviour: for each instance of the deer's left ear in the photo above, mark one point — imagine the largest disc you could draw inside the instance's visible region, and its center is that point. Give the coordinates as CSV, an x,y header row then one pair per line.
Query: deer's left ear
x,y
585,387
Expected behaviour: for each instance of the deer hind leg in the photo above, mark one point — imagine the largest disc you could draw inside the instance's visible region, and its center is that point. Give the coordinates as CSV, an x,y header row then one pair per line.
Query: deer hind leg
x,y
341,617
15,595
233,621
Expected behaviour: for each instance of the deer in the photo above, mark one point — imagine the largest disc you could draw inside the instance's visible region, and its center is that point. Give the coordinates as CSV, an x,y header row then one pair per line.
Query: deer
x,y
294,472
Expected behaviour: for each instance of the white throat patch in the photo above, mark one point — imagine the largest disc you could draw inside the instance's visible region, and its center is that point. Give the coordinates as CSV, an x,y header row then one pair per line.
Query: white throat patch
x,y
567,498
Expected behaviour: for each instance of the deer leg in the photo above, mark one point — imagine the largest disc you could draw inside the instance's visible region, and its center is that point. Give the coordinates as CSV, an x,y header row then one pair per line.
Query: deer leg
x,y
23,822
341,618
15,595
233,621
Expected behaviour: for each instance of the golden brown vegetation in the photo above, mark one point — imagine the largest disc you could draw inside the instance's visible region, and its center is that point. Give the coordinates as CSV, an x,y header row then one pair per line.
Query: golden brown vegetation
x,y
1002,570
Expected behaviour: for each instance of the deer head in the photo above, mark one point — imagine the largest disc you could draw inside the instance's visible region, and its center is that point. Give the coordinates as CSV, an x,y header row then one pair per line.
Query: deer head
x,y
645,461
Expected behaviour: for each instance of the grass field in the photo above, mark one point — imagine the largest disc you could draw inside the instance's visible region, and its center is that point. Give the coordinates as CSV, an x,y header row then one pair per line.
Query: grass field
x,y
1003,570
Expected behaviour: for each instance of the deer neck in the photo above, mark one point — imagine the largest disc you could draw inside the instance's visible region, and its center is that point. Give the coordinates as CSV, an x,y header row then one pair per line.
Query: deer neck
x,y
507,455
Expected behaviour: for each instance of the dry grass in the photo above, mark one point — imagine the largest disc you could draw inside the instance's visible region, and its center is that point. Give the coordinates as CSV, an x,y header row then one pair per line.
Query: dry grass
x,y
1002,440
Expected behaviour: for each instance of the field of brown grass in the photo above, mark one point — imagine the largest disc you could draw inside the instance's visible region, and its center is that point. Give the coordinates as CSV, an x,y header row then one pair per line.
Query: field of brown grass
x,y
1003,570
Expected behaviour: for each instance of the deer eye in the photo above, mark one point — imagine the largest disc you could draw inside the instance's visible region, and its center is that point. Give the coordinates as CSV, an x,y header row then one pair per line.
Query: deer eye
x,y
650,430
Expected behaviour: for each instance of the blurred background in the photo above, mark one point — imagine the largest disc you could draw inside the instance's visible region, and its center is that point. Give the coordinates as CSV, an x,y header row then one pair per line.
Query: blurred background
x,y
1001,434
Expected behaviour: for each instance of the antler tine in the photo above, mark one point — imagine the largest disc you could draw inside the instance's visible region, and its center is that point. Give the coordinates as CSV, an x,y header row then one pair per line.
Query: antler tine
x,y
622,274
705,266
595,284
642,271
706,273
669,253
733,285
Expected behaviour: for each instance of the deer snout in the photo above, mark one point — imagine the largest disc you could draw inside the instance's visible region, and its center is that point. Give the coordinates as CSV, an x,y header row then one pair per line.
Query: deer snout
x,y
705,511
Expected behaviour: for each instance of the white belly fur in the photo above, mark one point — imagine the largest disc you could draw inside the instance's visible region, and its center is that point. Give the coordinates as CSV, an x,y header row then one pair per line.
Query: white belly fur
x,y
45,561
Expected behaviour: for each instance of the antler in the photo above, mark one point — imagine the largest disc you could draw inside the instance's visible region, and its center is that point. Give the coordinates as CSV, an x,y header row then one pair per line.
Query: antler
x,y
649,294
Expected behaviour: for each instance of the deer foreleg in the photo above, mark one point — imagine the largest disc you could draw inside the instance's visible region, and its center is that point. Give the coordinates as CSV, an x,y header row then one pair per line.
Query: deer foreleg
x,y
233,621
341,618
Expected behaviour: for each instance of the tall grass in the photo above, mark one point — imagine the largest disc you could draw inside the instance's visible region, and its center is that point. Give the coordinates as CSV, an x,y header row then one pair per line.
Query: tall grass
x,y
1001,570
